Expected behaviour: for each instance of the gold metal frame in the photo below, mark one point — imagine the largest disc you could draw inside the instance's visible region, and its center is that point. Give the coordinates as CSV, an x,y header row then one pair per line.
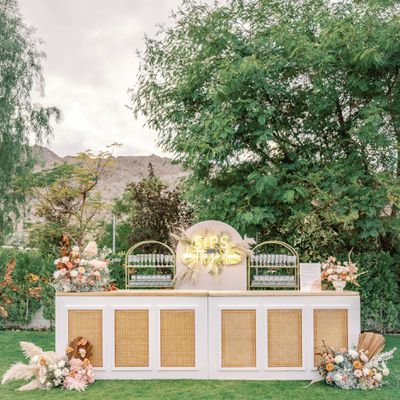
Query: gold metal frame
x,y
292,251
137,245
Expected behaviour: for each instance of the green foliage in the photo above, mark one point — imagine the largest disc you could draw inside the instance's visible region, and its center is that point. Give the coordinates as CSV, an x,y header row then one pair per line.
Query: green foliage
x,y
29,287
147,210
379,291
20,117
287,114
68,201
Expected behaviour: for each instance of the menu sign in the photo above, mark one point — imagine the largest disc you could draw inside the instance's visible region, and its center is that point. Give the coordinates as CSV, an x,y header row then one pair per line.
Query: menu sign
x,y
310,277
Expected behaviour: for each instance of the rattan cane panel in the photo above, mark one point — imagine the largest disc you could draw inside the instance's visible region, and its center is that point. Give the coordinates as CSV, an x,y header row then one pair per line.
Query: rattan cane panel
x,y
238,338
331,327
177,338
131,332
285,338
89,324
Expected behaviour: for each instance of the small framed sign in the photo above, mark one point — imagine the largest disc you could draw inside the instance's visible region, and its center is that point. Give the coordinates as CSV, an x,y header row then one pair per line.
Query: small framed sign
x,y
310,277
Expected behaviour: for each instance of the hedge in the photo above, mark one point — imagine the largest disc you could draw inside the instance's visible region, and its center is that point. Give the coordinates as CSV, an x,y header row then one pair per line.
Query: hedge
x,y
379,287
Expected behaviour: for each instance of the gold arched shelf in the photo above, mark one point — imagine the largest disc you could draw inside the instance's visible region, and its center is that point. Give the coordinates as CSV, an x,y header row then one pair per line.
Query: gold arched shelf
x,y
149,263
278,271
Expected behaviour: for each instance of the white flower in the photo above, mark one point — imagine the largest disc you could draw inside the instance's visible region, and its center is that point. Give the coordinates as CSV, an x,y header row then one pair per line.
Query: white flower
x,y
82,352
366,371
329,271
385,371
57,261
65,259
339,359
83,262
337,377
358,373
35,359
52,367
353,354
378,377
74,273
90,250
81,270
76,249
363,357
61,364
56,274
57,373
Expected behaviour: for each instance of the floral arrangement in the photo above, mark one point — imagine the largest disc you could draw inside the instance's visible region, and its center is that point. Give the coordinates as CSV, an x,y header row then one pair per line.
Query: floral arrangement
x,y
211,251
50,370
81,272
334,271
353,369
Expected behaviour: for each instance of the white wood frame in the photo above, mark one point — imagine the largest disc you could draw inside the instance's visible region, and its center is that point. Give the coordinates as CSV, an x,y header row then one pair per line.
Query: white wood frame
x,y
207,331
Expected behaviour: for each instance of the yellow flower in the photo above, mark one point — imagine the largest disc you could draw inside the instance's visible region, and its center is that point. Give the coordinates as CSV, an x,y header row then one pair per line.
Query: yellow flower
x,y
356,364
329,367
33,277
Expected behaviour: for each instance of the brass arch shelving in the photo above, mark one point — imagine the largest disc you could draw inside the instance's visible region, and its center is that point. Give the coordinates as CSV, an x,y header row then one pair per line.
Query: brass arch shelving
x,y
148,264
273,271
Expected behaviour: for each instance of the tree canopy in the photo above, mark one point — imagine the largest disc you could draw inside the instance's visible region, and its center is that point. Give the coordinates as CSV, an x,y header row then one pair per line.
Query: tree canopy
x,y
287,114
21,117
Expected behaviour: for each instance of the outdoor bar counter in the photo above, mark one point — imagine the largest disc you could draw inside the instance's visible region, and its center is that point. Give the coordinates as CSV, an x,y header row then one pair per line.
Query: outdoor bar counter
x,y
199,334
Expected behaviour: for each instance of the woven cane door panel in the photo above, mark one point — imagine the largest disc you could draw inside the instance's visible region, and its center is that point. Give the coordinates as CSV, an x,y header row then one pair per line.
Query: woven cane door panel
x,y
177,338
331,327
238,338
285,338
89,324
131,338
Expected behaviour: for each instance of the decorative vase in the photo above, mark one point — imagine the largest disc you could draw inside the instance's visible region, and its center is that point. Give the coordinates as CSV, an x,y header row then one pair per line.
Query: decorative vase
x,y
339,285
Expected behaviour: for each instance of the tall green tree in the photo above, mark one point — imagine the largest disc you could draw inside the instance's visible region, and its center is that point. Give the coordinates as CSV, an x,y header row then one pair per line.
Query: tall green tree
x,y
287,113
67,201
21,117
148,210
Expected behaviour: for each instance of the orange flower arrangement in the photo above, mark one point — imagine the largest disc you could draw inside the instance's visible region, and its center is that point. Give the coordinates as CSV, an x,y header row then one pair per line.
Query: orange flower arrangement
x,y
356,364
329,367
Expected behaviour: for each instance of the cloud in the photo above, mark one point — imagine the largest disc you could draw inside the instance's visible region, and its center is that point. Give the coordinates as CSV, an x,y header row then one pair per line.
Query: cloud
x,y
91,62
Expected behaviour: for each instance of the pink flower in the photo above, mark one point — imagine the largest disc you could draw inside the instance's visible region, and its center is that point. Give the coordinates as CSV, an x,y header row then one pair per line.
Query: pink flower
x,y
98,265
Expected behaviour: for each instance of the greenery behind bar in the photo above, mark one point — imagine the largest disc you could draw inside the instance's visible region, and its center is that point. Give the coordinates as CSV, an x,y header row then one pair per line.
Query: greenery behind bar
x,y
286,115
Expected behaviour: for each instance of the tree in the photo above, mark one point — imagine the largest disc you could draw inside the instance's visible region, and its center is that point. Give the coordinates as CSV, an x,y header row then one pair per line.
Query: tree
x,y
287,113
68,202
147,210
21,118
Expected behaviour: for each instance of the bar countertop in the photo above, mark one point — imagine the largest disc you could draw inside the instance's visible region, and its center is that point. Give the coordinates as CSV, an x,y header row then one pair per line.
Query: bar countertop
x,y
206,293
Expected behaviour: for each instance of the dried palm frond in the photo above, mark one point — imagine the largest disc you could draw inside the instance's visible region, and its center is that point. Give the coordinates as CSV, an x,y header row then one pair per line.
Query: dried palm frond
x,y
80,343
371,343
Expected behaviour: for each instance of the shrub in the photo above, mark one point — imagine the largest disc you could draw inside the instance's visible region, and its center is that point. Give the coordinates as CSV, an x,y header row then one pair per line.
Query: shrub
x,y
379,291
29,288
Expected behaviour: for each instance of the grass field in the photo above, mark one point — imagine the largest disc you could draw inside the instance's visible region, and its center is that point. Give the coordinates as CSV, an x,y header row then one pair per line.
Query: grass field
x,y
193,390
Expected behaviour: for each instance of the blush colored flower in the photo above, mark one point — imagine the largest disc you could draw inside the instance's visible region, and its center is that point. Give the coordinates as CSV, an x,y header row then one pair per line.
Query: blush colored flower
x,y
358,373
90,250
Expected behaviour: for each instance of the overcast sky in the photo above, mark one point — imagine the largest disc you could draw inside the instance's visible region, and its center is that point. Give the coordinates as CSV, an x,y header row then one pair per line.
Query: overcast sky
x,y
91,62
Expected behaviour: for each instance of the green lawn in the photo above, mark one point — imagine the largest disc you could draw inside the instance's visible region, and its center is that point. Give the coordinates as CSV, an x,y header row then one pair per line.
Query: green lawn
x,y
193,390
